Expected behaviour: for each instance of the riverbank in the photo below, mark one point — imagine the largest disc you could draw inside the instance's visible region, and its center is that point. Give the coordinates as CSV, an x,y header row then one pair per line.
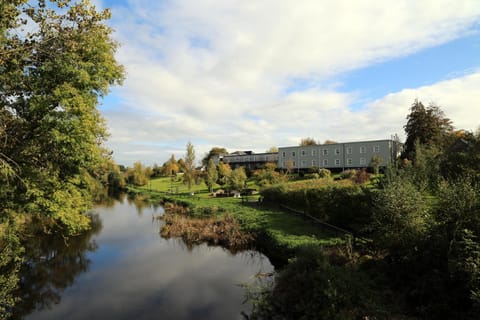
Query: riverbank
x,y
276,232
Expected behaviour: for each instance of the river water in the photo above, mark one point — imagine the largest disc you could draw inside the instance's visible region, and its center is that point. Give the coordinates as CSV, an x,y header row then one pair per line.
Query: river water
x,y
124,269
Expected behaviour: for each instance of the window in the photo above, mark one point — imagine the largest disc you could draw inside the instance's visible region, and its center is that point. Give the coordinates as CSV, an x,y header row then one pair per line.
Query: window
x,y
314,163
283,154
363,149
313,153
349,161
294,164
303,153
325,162
349,150
337,151
325,152
363,161
303,163
376,149
293,153
337,162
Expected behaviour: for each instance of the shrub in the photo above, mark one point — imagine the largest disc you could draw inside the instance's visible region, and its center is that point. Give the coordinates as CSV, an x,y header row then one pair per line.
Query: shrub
x,y
348,174
324,173
312,287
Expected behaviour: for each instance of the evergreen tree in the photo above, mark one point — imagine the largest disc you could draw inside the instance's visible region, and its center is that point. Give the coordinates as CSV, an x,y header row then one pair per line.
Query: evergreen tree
x,y
427,126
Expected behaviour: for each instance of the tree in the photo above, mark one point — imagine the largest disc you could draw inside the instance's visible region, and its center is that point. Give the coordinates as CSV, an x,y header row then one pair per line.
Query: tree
x,y
138,175
308,142
238,178
428,126
181,165
215,151
51,78
211,175
269,175
189,174
400,217
272,150
171,167
224,172
330,142
375,163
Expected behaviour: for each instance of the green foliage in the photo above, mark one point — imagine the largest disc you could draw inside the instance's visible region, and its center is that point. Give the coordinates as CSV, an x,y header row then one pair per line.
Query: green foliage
x,y
171,167
138,175
224,173
343,206
462,157
464,265
400,217
215,151
51,131
10,261
348,174
324,173
312,287
211,175
268,175
189,170
375,163
238,179
427,126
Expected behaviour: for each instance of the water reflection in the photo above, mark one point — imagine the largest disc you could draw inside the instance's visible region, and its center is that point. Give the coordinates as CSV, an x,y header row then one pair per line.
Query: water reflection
x,y
127,271
51,264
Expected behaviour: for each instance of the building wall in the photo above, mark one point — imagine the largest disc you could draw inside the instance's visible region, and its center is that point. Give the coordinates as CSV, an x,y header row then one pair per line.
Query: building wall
x,y
251,161
337,156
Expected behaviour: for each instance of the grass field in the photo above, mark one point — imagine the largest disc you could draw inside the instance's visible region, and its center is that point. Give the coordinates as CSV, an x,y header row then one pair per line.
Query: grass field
x,y
286,229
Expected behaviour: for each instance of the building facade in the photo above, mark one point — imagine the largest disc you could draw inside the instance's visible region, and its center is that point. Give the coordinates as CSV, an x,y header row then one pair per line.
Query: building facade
x,y
247,159
339,156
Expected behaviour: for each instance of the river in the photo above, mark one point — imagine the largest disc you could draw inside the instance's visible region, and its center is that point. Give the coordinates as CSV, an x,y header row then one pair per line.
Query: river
x,y
124,269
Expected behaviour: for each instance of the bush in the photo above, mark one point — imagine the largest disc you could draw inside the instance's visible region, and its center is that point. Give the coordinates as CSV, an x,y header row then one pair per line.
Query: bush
x,y
324,173
312,287
348,174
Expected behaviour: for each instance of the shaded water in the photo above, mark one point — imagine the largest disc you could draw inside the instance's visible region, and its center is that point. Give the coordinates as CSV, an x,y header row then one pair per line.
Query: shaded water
x,y
123,269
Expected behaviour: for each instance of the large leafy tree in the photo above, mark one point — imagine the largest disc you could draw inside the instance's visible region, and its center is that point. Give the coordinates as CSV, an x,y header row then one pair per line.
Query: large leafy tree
x,y
238,178
171,167
427,126
56,61
211,175
215,151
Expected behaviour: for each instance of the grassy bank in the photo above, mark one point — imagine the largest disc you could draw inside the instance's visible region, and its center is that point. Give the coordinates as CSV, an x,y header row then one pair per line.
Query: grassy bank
x,y
281,231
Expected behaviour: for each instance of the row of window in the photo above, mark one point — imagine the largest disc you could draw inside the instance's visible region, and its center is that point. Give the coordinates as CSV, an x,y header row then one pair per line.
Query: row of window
x,y
249,158
363,161
349,150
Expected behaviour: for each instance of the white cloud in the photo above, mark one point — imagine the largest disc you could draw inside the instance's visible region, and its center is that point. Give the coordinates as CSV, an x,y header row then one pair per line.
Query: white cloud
x,y
217,72
459,98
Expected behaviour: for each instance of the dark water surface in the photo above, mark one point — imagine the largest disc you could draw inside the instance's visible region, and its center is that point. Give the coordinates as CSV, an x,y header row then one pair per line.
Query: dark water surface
x,y
123,269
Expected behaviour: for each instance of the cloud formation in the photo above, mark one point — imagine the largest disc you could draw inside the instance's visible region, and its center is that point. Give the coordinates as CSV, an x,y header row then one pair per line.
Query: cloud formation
x,y
251,74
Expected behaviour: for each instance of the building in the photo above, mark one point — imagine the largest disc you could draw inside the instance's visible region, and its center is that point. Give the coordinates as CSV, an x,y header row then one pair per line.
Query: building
x,y
339,156
247,159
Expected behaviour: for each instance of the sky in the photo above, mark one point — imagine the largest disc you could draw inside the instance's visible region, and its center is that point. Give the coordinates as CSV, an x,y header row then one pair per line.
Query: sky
x,y
251,74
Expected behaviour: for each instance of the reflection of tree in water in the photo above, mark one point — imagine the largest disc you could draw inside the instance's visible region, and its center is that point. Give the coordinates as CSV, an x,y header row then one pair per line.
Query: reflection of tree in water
x,y
139,203
51,264
109,199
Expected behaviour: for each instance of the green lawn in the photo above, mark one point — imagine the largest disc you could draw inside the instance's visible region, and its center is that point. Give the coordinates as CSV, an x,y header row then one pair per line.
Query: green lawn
x,y
286,229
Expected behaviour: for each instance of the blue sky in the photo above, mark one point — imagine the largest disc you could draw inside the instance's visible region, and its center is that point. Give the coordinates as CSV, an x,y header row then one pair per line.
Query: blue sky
x,y
248,75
